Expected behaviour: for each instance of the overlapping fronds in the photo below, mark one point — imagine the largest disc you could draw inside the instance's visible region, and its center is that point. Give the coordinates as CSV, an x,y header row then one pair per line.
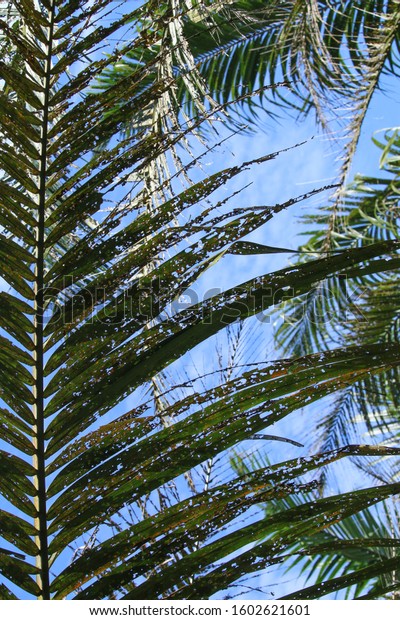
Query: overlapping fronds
x,y
361,309
96,247
319,56
355,556
352,557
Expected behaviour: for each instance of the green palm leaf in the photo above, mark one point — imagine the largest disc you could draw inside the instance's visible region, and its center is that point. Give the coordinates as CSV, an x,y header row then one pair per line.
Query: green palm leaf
x,y
303,56
355,554
87,320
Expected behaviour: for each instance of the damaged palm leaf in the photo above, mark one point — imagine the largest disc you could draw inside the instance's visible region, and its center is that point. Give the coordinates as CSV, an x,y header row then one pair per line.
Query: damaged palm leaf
x,y
96,246
354,556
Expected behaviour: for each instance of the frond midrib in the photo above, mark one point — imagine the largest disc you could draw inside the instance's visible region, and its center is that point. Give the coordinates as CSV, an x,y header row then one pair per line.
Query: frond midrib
x,y
39,459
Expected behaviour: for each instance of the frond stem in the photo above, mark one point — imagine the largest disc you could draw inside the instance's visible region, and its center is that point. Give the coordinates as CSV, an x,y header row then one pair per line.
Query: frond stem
x,y
42,560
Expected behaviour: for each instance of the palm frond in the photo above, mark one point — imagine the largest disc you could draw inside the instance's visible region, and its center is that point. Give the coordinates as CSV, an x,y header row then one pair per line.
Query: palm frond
x,y
354,555
96,246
